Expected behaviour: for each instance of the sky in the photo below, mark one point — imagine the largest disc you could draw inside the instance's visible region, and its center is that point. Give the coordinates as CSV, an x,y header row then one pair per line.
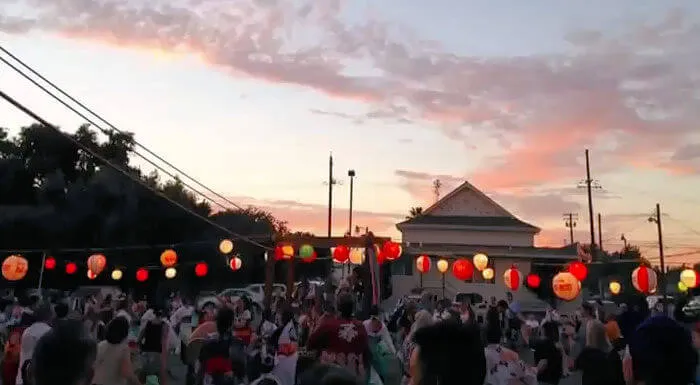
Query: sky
x,y
251,96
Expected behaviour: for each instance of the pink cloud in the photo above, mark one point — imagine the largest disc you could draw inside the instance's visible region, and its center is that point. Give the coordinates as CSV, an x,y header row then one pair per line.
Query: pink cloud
x,y
634,91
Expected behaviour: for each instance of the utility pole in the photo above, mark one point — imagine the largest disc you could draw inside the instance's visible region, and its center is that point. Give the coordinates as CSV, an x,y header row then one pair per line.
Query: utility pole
x,y
656,218
600,233
437,185
570,222
330,194
624,240
590,184
351,174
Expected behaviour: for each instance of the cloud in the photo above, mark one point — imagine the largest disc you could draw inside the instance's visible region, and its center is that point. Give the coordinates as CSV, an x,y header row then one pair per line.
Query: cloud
x,y
631,96
313,217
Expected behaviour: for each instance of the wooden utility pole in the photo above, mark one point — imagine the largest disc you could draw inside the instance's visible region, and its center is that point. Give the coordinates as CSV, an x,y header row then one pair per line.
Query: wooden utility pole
x,y
590,184
570,222
331,182
656,218
600,233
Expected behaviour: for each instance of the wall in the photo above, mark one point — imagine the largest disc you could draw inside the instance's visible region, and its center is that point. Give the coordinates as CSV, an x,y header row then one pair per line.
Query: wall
x,y
469,237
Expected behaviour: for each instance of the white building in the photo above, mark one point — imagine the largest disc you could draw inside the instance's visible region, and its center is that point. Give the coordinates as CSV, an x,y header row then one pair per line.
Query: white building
x,y
463,223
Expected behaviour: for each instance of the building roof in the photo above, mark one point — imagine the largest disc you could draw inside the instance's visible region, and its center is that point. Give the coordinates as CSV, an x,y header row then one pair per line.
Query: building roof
x,y
451,250
453,220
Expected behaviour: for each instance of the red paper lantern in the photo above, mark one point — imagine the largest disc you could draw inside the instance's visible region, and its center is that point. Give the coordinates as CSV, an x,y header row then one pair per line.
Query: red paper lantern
x,y
463,269
644,279
50,263
341,253
533,280
381,254
423,264
71,268
511,278
201,269
310,259
579,270
279,253
91,274
391,250
142,275
235,263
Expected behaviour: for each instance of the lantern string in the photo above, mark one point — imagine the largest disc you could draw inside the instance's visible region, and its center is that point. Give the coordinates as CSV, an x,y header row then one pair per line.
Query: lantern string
x,y
121,170
109,248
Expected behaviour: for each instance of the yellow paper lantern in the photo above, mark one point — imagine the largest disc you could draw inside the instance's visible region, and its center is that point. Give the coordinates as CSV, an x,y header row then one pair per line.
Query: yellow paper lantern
x,y
14,267
566,286
357,255
288,251
96,263
481,261
443,266
682,287
168,258
117,274
689,277
226,246
488,273
615,287
170,273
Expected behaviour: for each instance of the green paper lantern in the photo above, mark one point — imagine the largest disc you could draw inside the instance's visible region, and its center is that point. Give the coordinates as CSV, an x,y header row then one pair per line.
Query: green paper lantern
x,y
306,251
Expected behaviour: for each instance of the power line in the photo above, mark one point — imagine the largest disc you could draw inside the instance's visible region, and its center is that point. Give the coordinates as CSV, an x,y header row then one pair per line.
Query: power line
x,y
110,125
129,175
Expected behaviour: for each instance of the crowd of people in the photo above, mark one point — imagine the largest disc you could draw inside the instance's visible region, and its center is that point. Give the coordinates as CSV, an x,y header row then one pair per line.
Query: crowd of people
x,y
316,339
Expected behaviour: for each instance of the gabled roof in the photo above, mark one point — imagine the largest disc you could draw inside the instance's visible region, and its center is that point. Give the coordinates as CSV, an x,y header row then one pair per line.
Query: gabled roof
x,y
465,186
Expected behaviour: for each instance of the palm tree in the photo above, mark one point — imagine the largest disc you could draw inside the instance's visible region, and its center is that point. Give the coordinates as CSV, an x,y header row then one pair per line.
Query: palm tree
x,y
415,212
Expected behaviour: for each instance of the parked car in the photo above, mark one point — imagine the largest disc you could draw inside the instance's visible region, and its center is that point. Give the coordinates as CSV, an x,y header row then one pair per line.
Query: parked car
x,y
212,300
257,291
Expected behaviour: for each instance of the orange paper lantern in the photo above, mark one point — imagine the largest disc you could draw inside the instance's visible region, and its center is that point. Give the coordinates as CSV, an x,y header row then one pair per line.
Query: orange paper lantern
x,y
168,258
644,279
14,267
566,286
423,264
341,254
511,278
462,269
96,263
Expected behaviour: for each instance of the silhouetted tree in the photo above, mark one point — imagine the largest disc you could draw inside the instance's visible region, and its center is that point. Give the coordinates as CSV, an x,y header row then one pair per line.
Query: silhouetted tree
x,y
415,212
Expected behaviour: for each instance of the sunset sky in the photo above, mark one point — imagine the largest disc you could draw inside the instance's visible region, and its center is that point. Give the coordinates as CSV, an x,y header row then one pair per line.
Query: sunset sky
x,y
251,96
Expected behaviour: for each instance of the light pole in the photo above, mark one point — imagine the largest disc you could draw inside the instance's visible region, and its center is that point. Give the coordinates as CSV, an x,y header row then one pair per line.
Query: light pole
x,y
351,174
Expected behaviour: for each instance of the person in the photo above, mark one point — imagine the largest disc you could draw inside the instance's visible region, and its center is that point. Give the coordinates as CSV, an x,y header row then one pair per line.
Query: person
x,y
61,310
503,365
662,353
113,363
219,363
422,319
598,362
343,340
384,360
549,359
324,374
65,355
441,352
286,341
154,339
30,337
612,330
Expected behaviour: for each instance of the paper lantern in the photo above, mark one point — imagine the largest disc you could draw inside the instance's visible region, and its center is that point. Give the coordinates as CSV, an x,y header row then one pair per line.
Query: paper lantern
x,y
579,270
615,287
390,250
381,255
50,263
235,263
462,269
644,279
142,275
511,278
287,251
170,273
225,246
481,261
341,254
310,259
96,263
71,268
690,278
201,269
488,273
117,274
168,258
682,287
423,264
279,253
14,267
306,251
357,255
442,266
91,274
566,286
533,280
